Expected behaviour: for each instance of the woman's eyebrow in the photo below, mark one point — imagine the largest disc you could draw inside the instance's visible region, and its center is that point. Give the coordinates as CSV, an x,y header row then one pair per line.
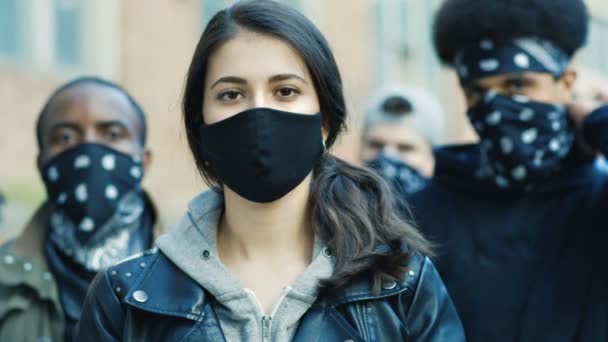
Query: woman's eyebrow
x,y
229,79
284,77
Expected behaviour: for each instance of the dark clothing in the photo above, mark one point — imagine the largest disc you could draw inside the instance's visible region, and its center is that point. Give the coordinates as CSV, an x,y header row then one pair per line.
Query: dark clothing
x,y
521,266
33,301
149,298
73,279
72,282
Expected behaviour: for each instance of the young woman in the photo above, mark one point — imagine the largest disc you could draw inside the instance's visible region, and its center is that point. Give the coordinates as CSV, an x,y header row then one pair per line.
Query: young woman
x,y
292,243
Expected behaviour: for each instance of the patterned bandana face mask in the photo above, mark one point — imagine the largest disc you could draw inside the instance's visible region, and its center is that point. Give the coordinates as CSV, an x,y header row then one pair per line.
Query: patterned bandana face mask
x,y
518,56
98,201
401,177
522,141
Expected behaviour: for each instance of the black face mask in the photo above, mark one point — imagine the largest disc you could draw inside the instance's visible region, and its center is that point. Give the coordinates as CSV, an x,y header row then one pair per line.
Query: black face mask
x,y
262,154
88,183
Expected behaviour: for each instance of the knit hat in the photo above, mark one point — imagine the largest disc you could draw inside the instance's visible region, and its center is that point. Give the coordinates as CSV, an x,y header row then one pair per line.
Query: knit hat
x,y
411,107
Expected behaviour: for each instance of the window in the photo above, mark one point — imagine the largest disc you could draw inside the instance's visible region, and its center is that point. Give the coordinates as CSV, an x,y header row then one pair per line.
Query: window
x,y
595,54
390,30
292,3
68,40
403,36
211,7
61,36
11,29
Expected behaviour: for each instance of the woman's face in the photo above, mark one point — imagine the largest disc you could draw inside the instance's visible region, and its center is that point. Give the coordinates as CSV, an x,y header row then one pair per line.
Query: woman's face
x,y
255,70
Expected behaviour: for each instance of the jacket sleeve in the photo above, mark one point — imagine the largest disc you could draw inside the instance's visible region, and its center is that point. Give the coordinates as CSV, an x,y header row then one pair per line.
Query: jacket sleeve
x,y
595,130
431,315
102,316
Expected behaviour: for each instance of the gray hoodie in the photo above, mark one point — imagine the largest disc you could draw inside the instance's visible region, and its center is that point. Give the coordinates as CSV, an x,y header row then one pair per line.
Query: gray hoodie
x,y
192,246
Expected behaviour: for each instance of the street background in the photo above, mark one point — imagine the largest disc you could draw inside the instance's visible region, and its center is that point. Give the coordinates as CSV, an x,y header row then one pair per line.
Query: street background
x,y
146,46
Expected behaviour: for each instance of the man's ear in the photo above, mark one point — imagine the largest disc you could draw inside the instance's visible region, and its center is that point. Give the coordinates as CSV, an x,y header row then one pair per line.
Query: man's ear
x,y
146,160
567,83
42,160
39,162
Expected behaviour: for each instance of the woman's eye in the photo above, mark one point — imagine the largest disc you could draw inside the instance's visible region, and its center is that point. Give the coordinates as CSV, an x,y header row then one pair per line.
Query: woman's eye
x,y
230,95
287,92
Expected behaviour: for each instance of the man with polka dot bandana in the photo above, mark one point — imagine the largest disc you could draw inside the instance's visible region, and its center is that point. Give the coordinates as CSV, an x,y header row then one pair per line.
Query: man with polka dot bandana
x,y
519,218
92,157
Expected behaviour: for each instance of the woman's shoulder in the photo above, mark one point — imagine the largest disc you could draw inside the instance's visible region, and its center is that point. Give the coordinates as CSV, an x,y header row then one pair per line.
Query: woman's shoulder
x,y
429,311
419,302
103,312
123,276
421,281
136,289
151,282
420,273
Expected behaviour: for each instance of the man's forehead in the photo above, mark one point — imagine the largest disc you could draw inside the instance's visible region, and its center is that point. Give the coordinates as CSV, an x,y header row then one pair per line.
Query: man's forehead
x,y
394,133
91,103
498,78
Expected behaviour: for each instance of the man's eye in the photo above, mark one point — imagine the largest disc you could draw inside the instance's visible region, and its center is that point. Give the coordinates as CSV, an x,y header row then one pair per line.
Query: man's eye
x,y
114,133
377,145
516,84
405,148
62,138
474,92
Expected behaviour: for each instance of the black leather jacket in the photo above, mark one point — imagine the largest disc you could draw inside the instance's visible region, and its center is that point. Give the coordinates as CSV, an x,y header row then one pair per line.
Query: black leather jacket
x,y
148,298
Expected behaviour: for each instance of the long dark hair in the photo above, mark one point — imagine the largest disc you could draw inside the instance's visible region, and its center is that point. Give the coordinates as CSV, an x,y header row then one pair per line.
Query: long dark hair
x,y
353,210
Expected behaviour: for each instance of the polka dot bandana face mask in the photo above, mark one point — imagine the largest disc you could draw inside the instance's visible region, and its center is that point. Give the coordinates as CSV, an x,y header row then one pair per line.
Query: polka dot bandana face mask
x,y
401,177
87,184
488,58
522,141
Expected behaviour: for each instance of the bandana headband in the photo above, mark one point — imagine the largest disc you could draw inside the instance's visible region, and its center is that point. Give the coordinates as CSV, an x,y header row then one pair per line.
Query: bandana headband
x,y
520,55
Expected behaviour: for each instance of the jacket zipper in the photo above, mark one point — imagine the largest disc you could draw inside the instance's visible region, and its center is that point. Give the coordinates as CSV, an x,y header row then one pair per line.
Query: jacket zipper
x,y
361,321
266,328
267,319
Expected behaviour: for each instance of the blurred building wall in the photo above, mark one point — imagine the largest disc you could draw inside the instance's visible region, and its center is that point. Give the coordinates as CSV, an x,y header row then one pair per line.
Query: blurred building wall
x,y
146,45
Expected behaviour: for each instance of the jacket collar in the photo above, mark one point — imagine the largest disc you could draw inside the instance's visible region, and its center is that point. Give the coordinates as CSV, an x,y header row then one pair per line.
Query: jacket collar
x,y
360,289
22,263
189,300
162,276
26,253
29,244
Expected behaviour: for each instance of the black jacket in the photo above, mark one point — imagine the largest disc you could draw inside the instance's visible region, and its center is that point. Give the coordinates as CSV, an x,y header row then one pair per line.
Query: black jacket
x,y
523,267
148,298
520,267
